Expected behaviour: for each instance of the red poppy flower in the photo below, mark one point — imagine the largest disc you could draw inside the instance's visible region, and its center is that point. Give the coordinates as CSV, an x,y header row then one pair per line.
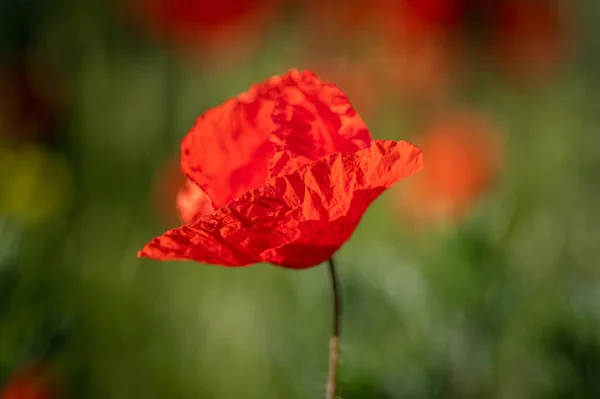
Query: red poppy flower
x,y
30,382
464,154
290,168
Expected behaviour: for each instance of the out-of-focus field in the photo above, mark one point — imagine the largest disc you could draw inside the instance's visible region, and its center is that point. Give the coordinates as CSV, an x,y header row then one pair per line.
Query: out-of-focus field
x,y
478,278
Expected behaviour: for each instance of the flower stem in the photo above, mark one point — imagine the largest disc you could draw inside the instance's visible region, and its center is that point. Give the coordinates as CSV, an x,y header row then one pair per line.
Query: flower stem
x,y
334,341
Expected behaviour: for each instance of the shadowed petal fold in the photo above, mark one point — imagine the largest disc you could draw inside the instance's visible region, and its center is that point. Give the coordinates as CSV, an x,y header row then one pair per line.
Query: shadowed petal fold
x,y
192,203
313,119
227,151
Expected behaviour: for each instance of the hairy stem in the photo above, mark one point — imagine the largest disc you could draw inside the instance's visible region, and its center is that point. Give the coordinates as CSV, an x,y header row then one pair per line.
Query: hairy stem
x,y
334,341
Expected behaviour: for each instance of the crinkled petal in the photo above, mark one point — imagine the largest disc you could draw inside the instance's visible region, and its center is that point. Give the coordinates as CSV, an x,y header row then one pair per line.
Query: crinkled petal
x,y
193,203
228,150
273,128
313,119
296,220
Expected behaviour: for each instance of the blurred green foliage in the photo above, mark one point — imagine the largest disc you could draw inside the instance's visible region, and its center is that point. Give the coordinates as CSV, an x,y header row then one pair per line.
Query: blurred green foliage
x,y
504,304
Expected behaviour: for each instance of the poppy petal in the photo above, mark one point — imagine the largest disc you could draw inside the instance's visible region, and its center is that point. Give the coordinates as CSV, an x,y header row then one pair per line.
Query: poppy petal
x,y
296,220
227,151
313,119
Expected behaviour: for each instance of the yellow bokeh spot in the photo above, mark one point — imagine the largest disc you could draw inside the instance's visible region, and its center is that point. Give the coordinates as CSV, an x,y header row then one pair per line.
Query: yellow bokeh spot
x,y
35,183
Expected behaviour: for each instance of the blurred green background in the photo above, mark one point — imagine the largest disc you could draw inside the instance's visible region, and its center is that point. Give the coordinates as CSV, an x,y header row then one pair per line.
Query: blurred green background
x,y
481,280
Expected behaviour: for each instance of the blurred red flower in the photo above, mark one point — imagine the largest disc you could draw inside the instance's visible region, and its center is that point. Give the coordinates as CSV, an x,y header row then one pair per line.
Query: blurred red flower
x,y
463,157
33,100
329,20
209,25
29,382
437,14
421,44
531,39
290,168
361,16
